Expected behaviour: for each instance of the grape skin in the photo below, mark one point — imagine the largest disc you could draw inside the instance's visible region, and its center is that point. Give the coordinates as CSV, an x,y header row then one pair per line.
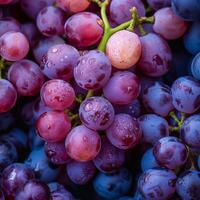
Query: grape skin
x,y
158,4
123,49
195,66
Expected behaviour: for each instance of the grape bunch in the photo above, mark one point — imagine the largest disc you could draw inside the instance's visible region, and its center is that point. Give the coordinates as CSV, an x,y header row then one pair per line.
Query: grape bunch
x,y
100,100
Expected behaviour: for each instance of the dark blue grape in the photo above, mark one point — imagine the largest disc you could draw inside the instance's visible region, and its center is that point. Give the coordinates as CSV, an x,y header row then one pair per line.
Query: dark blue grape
x,y
195,66
33,139
7,120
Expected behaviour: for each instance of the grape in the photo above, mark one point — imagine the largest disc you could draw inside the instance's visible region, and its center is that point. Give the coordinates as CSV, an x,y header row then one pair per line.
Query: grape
x,y
191,39
96,113
33,139
31,32
5,1
110,159
57,94
83,144
8,96
83,29
39,108
120,10
158,99
80,173
1,195
7,121
113,186
134,109
34,190
168,24
59,62
190,133
188,10
198,162
126,198
156,56
158,4
8,153
153,128
41,48
123,49
195,66
27,77
73,6
188,184
44,170
14,177
125,132
32,9
14,46
53,126
148,161
159,184
170,152
186,94
58,192
93,70
56,152
50,21
8,24
122,88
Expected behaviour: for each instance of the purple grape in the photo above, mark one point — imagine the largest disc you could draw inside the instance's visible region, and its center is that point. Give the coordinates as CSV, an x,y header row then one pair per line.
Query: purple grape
x,y
31,32
14,46
96,113
156,56
27,114
190,132
5,2
120,10
8,96
83,29
2,195
125,132
148,161
153,128
81,173
195,69
58,192
56,152
41,48
188,184
53,126
122,88
110,159
83,144
14,177
32,9
158,99
170,152
93,70
44,170
7,121
186,94
59,62
50,21
9,24
33,139
34,190
158,4
27,77
159,184
8,153
57,94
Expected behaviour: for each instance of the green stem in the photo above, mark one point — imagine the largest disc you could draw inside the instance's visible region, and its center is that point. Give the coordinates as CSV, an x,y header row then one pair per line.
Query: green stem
x,y
74,117
98,2
177,120
104,6
148,20
89,94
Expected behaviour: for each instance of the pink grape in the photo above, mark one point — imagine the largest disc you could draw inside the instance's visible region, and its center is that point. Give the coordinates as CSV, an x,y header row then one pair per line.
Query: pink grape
x,y
83,144
168,24
59,62
73,6
81,173
27,77
123,49
50,21
8,96
84,29
125,132
5,1
53,126
57,94
122,88
14,46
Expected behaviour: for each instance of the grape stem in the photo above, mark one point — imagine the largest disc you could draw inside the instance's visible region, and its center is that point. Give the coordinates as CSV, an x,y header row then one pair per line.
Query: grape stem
x,y
89,94
2,66
177,120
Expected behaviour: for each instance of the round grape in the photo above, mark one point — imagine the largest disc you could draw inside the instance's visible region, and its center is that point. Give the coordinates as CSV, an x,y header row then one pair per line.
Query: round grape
x,y
195,66
158,4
